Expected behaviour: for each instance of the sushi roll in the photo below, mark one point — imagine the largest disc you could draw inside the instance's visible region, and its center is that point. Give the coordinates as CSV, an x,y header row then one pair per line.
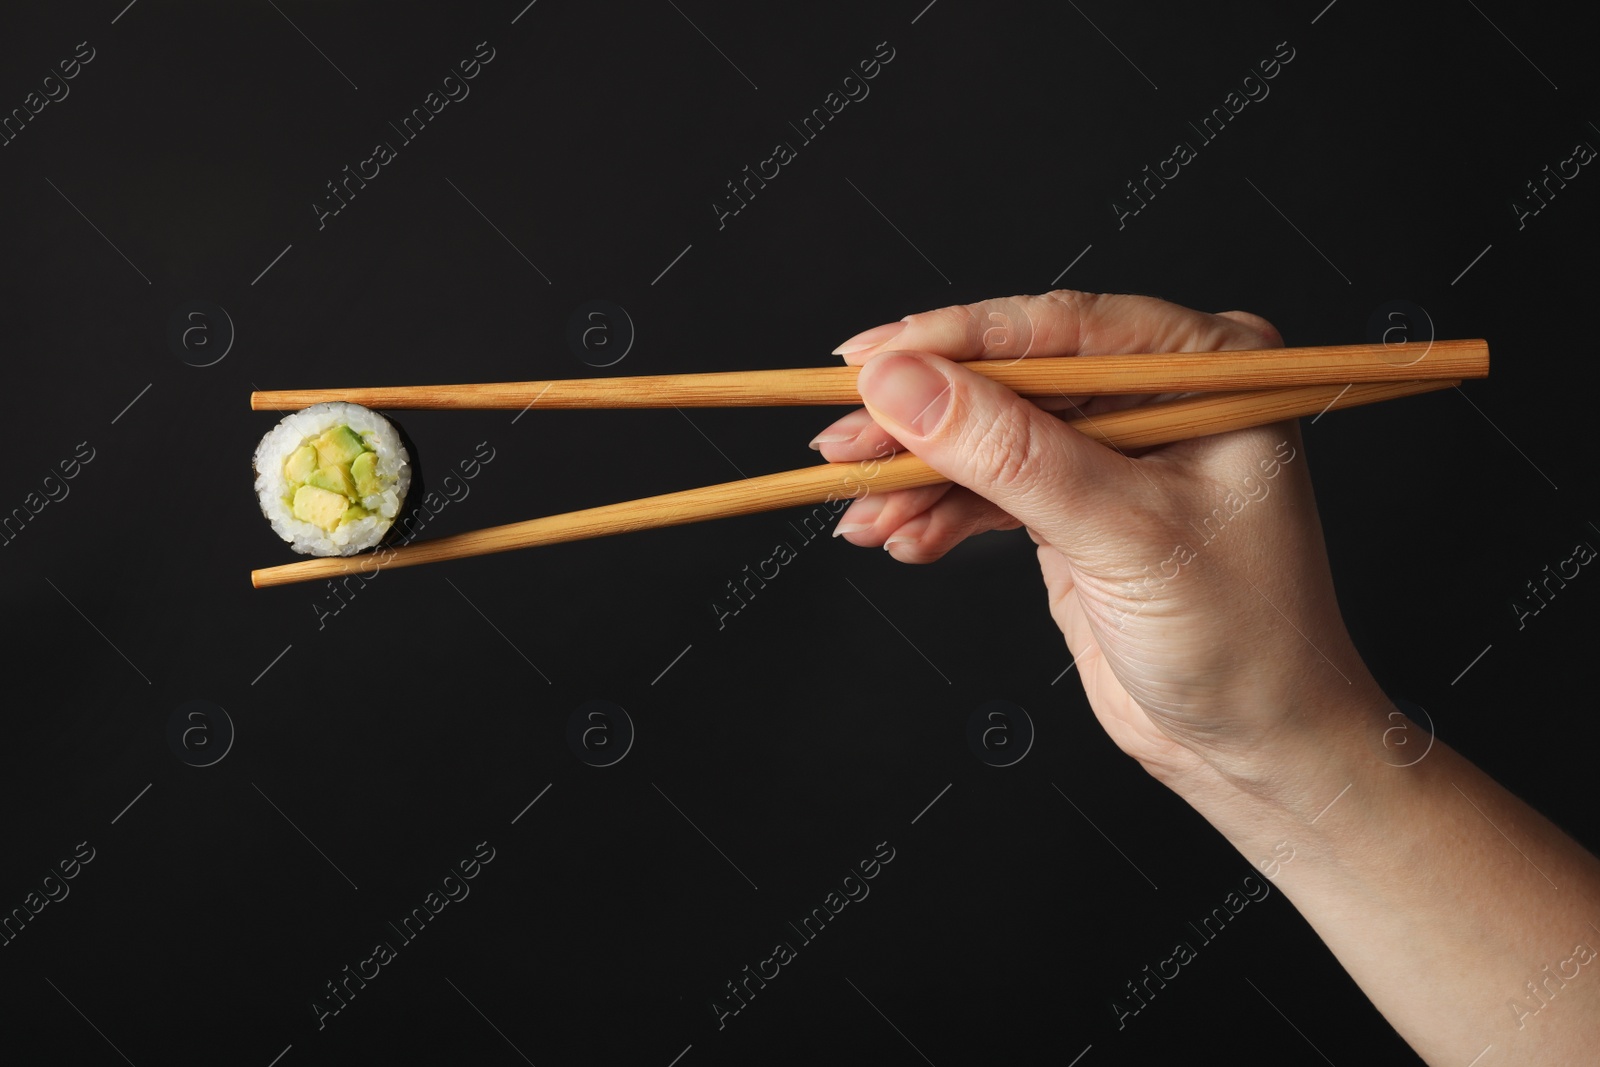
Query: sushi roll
x,y
332,478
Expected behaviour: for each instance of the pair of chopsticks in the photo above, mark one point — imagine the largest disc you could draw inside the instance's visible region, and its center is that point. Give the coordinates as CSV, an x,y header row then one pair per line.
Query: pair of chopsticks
x,y
1243,389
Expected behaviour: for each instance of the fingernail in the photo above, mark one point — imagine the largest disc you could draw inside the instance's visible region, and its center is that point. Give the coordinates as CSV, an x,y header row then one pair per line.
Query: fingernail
x,y
859,516
889,544
908,390
868,338
842,430
832,438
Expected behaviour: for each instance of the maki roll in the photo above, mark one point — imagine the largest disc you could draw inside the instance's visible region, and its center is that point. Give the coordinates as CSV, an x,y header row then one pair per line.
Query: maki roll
x,y
332,478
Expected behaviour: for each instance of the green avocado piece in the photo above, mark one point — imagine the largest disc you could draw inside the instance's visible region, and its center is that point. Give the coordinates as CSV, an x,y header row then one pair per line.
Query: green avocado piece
x,y
319,507
300,464
352,513
334,480
365,471
337,447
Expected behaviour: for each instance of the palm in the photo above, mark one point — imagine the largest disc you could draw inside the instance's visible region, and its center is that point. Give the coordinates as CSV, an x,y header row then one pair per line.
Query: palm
x,y
1122,717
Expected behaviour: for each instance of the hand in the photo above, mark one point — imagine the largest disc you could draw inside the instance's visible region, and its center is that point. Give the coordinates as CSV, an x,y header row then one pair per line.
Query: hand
x,y
1191,582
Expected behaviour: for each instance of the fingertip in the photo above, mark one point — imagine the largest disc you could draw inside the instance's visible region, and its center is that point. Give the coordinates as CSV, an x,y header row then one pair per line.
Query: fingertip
x,y
874,444
901,551
856,524
867,340
938,529
853,438
872,519
906,544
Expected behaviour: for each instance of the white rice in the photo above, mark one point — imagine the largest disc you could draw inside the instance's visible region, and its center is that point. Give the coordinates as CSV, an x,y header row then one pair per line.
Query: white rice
x,y
272,486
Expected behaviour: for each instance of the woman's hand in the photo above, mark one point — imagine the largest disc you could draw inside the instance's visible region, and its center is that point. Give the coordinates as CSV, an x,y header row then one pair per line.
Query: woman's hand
x,y
1191,582
1193,588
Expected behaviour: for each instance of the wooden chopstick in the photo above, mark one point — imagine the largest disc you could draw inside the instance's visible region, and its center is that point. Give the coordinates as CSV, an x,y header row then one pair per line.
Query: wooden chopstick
x,y
1178,372
1139,427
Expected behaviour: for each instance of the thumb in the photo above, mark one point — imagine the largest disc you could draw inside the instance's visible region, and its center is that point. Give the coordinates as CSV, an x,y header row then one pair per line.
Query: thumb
x,y
979,434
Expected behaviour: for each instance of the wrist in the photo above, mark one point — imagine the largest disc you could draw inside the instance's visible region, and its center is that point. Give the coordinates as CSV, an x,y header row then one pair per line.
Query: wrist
x,y
1326,742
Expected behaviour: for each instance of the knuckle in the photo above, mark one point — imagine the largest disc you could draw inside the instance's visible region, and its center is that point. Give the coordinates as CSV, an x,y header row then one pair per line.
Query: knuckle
x,y
968,322
1069,312
1010,328
1002,451
962,323
1071,299
1267,334
946,529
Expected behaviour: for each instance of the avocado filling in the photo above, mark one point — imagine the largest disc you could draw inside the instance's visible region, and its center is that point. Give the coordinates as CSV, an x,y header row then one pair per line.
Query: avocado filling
x,y
329,476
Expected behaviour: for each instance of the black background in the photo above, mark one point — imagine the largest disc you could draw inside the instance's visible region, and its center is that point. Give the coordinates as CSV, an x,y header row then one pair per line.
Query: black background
x,y
822,719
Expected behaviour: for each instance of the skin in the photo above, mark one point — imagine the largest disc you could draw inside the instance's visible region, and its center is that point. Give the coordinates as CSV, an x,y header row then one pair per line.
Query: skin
x,y
1442,894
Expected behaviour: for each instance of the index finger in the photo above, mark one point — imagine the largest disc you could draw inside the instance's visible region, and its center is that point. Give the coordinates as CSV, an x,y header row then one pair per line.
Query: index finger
x,y
1065,322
